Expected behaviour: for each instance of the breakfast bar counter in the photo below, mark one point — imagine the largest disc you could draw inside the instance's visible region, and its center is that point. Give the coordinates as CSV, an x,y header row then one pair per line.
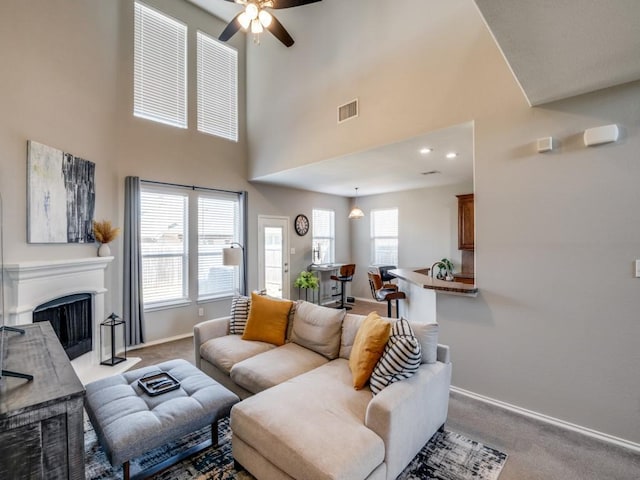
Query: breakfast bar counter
x,y
417,277
421,289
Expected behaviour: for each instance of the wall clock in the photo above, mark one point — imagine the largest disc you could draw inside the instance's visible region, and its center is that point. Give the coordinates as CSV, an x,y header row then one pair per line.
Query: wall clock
x,y
302,225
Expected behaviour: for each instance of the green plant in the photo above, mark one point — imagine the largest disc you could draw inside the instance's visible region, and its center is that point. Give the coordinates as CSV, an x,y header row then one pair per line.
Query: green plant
x,y
445,268
307,280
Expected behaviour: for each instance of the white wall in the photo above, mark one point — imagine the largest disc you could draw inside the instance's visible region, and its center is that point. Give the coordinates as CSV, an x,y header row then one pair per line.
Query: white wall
x,y
555,327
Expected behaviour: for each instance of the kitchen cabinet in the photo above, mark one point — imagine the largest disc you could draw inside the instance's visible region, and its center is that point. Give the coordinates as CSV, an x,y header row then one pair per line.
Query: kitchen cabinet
x,y
466,228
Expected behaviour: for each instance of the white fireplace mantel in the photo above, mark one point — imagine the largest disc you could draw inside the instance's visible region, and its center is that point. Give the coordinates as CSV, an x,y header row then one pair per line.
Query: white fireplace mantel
x,y
36,282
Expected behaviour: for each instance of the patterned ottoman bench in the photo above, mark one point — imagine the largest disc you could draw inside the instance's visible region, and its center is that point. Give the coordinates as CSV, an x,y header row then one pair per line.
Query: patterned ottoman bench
x,y
129,422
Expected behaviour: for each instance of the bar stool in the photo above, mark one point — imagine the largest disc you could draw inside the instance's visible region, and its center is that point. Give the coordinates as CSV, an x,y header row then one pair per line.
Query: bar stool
x,y
387,292
345,275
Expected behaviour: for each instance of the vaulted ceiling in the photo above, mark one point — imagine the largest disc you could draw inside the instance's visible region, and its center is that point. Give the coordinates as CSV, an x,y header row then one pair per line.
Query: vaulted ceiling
x,y
556,49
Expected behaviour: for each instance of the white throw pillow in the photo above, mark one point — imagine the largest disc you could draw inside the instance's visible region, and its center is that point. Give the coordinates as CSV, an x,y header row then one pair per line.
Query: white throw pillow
x,y
401,357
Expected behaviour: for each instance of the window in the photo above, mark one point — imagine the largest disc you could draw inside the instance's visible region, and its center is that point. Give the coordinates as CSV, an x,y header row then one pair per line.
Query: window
x,y
218,226
164,246
323,236
184,231
160,67
384,236
217,88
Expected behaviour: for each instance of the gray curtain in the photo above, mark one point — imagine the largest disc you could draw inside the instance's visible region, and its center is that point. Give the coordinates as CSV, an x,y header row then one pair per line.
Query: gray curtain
x,y
132,295
244,205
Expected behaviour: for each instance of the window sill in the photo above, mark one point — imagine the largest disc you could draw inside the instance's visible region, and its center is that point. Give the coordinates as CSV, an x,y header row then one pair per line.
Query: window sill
x,y
167,305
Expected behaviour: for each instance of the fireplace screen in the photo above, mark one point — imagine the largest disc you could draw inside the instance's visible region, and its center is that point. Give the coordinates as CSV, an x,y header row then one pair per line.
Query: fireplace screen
x,y
71,319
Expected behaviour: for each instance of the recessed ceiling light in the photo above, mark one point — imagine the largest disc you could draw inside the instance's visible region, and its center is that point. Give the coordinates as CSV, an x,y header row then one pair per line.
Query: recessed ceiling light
x,y
452,155
425,151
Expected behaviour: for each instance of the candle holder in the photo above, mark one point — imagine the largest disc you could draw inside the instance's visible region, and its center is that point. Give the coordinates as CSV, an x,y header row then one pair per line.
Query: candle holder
x,y
112,322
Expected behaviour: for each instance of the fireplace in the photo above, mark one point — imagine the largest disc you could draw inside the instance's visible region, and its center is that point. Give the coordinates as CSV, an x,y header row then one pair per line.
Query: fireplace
x,y
37,284
71,319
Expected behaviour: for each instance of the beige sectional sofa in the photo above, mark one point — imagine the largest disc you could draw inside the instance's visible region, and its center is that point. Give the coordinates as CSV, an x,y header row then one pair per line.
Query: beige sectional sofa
x,y
301,417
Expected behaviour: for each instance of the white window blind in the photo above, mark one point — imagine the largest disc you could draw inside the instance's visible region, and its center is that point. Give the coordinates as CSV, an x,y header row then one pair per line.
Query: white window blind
x,y
160,67
384,236
164,246
218,225
323,234
217,88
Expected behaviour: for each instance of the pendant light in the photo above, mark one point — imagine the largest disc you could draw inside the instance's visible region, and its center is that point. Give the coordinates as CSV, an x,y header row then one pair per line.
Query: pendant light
x,y
356,212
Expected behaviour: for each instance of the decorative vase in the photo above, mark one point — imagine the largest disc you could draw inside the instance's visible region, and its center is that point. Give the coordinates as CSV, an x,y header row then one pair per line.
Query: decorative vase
x,y
104,250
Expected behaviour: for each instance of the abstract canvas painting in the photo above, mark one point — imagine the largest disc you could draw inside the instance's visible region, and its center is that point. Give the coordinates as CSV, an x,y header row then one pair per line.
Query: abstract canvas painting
x,y
61,196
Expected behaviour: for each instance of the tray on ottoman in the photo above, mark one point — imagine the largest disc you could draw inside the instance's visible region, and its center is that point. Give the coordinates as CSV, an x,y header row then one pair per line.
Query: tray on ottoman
x,y
129,422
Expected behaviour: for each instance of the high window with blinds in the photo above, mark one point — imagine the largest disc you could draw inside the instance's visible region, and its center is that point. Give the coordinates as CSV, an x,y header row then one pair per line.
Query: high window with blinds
x,y
164,246
219,224
160,67
217,88
323,235
384,236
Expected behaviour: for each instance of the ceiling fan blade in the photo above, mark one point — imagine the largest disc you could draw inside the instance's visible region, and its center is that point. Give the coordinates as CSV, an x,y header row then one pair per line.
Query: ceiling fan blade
x,y
231,29
279,32
291,3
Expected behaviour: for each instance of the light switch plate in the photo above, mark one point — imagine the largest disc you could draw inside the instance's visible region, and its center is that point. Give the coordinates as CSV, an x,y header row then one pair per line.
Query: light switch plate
x,y
637,268
293,250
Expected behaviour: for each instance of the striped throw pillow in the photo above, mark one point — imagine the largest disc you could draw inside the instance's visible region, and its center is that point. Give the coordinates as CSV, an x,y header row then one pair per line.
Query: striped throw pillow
x,y
401,357
239,314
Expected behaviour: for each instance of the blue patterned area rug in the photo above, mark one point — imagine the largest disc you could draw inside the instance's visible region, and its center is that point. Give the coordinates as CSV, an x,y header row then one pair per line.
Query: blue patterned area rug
x,y
447,456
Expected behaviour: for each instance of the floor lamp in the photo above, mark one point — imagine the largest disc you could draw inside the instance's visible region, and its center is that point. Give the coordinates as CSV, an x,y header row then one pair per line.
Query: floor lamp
x,y
234,257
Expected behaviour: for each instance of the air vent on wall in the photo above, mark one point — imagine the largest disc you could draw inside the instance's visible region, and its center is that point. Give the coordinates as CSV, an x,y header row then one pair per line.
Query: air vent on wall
x,y
348,111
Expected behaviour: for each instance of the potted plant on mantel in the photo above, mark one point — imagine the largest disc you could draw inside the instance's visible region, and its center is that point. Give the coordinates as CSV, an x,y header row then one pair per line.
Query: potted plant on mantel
x,y
104,233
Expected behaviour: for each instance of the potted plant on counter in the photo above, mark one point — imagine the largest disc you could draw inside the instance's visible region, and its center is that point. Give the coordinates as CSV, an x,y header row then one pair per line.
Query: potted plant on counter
x,y
445,270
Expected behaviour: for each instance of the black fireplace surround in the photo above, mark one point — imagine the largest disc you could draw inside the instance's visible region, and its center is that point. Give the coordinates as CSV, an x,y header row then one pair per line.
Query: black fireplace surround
x,y
71,319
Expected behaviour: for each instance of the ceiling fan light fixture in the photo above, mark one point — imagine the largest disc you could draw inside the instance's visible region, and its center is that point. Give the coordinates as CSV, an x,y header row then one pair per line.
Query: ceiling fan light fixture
x,y
252,11
256,26
244,20
265,18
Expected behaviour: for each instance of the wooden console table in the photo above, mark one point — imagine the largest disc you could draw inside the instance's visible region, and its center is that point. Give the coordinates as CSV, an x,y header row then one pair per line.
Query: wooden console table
x,y
41,421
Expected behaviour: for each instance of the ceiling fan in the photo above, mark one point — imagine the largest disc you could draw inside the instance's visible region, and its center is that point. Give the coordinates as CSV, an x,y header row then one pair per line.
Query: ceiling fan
x,y
256,18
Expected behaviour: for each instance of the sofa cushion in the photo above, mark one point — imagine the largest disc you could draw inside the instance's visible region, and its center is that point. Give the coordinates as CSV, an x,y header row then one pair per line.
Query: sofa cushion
x,y
427,334
401,357
335,444
225,352
318,328
350,326
239,314
267,320
274,367
368,346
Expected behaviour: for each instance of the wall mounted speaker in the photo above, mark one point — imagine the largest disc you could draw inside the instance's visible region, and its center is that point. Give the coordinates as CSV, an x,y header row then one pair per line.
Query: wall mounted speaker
x,y
599,135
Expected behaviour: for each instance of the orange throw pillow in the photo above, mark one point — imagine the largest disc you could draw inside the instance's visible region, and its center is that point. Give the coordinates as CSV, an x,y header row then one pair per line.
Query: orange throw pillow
x,y
267,321
371,338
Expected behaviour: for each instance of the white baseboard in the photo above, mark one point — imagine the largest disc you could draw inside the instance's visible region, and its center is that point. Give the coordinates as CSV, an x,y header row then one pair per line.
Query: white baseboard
x,y
605,437
158,342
